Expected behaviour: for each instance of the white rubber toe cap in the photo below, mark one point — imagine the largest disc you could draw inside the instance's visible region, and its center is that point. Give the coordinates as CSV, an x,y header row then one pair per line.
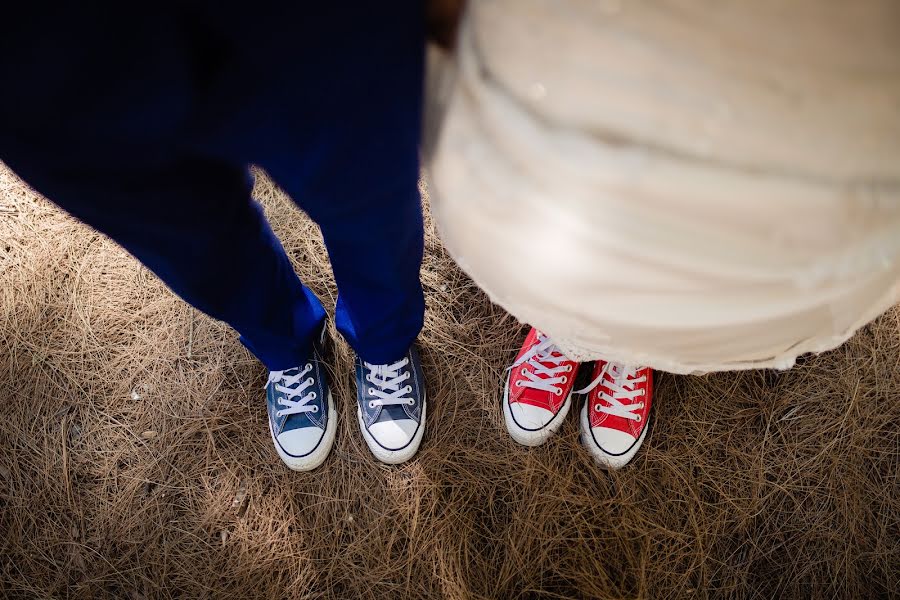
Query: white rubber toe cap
x,y
531,425
612,441
300,442
530,417
394,435
611,448
393,442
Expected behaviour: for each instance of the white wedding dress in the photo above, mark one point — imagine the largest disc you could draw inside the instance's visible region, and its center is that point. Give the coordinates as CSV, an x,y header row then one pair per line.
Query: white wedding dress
x,y
691,186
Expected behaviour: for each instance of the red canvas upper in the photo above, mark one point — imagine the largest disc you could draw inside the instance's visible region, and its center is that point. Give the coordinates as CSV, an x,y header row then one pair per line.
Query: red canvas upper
x,y
541,398
602,419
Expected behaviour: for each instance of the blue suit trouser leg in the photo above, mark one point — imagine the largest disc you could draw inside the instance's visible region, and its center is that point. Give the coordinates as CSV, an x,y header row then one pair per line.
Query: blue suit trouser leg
x,y
150,145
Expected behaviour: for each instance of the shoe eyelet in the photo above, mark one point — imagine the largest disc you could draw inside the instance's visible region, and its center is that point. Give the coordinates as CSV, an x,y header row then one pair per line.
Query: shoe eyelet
x,y
568,368
639,419
557,392
408,389
315,409
371,404
371,391
411,402
597,408
522,372
641,405
565,379
518,383
310,381
312,395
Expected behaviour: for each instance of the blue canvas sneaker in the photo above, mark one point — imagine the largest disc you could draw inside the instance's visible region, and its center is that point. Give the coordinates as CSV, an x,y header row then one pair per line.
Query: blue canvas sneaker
x,y
391,411
302,419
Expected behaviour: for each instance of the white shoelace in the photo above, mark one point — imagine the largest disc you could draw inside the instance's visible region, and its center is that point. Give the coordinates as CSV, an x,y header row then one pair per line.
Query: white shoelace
x,y
546,378
291,386
386,380
622,388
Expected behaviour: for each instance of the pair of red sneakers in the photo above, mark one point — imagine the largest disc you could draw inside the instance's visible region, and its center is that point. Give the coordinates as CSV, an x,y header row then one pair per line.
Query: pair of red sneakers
x,y
538,394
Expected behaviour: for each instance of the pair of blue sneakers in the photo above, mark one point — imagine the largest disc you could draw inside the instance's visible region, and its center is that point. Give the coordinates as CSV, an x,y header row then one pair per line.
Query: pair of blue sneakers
x,y
390,409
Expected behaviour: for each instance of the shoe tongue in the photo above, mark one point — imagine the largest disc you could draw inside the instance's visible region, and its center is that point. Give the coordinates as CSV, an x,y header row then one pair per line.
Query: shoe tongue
x,y
387,389
381,381
291,373
622,381
547,359
612,379
381,371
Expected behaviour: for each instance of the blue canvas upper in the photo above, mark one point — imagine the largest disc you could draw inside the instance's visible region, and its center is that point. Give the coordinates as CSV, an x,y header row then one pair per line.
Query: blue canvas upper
x,y
372,412
277,400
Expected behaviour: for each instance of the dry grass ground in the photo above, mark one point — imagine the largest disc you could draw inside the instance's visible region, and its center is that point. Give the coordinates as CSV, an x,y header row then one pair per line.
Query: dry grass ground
x,y
135,460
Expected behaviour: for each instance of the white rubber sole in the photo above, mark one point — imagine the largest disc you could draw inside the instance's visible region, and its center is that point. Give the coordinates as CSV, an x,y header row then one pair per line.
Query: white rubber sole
x,y
527,437
607,461
317,456
394,457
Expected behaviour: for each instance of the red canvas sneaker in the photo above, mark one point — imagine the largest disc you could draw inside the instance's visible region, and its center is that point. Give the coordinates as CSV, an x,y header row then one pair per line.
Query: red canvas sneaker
x,y
614,416
538,390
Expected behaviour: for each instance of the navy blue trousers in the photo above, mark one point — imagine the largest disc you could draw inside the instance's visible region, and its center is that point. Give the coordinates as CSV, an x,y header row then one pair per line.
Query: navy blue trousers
x,y
143,126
